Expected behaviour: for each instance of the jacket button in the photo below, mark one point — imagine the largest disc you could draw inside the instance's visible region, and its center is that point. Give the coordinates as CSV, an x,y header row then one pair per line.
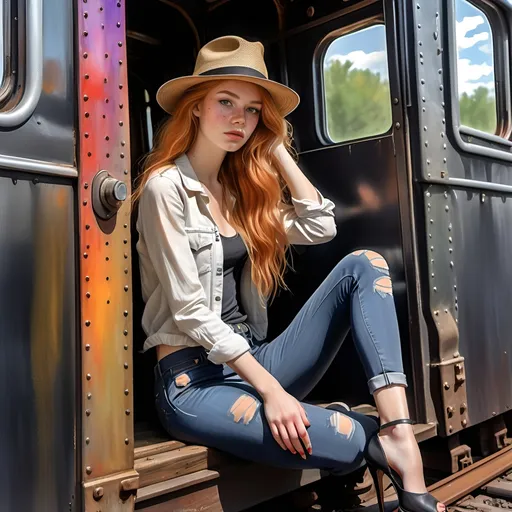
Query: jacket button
x,y
219,271
217,298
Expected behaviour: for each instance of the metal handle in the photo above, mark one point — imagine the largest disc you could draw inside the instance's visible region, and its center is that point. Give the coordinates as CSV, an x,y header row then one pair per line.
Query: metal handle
x,y
108,195
34,72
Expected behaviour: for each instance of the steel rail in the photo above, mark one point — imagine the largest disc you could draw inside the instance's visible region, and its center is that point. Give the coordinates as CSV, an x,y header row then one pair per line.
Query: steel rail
x,y
462,483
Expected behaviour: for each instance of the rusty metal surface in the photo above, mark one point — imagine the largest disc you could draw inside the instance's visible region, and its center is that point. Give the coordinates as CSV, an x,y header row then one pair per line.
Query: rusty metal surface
x,y
459,485
105,265
37,345
443,298
114,493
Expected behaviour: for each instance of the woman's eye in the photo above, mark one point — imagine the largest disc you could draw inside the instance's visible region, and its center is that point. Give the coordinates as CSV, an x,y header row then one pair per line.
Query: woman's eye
x,y
253,110
226,103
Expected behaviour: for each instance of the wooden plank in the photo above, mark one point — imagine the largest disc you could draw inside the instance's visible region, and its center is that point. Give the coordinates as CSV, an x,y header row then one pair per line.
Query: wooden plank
x,y
238,488
203,498
154,449
176,484
165,466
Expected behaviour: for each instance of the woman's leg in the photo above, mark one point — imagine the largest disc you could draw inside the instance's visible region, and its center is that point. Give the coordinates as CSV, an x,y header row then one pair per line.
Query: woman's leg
x,y
357,293
197,404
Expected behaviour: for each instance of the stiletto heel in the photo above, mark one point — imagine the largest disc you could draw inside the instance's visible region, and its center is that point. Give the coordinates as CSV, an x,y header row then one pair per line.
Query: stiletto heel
x,y
377,476
378,465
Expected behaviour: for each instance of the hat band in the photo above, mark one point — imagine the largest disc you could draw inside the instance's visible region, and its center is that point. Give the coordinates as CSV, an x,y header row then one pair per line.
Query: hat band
x,y
234,70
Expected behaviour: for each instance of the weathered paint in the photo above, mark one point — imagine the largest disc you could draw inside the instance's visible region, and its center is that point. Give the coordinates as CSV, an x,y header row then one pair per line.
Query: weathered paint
x,y
105,263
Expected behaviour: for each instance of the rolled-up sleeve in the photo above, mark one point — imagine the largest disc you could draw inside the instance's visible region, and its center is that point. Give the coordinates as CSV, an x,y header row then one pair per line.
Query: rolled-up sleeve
x,y
309,222
162,222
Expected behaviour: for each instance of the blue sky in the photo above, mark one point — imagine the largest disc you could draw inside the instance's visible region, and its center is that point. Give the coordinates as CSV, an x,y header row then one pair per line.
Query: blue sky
x,y
475,48
367,49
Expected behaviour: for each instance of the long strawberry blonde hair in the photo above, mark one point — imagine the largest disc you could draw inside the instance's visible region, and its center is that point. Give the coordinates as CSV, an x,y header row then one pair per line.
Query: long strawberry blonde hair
x,y
250,175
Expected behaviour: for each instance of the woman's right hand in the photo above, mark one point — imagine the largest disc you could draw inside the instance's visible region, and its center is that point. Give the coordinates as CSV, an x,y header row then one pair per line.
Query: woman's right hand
x,y
288,421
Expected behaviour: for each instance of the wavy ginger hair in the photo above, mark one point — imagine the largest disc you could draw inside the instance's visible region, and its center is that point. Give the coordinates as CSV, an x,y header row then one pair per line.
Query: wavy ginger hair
x,y
250,175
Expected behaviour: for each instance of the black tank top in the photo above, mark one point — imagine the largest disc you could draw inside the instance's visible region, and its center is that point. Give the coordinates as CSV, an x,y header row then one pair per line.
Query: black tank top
x,y
235,254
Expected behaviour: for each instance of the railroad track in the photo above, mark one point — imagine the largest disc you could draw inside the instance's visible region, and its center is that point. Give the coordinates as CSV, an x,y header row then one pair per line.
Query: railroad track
x,y
485,486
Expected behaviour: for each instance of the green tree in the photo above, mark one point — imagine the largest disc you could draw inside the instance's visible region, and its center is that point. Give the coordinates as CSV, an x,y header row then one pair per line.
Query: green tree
x,y
478,110
357,102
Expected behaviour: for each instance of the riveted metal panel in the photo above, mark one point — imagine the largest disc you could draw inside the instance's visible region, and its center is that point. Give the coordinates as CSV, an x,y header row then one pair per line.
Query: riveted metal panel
x,y
465,200
443,301
105,271
436,158
430,84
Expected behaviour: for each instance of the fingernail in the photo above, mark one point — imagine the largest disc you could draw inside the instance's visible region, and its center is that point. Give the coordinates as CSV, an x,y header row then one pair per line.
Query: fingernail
x,y
303,455
310,450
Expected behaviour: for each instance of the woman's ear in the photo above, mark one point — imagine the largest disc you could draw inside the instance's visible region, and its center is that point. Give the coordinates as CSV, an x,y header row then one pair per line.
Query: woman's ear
x,y
196,110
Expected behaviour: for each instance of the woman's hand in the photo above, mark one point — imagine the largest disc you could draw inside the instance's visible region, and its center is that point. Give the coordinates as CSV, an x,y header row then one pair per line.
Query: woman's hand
x,y
285,415
288,421
280,150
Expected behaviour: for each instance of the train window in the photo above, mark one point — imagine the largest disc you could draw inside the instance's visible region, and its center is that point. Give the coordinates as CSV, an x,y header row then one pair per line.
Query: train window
x,y
149,120
2,41
356,91
475,68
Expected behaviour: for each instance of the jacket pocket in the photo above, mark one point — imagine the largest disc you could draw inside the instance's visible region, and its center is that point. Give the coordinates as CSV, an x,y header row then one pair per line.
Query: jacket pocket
x,y
201,243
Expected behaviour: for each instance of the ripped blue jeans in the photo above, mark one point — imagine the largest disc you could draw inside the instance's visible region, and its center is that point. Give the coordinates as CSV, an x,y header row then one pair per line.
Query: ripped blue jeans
x,y
204,403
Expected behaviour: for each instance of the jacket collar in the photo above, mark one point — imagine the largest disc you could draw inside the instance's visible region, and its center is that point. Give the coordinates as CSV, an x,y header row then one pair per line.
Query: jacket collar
x,y
188,175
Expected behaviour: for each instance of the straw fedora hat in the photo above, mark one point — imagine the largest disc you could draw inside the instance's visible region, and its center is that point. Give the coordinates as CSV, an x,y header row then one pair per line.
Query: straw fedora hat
x,y
229,58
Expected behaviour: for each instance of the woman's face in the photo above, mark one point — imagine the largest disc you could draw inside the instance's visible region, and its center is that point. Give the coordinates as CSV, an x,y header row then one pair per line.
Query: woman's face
x,y
229,114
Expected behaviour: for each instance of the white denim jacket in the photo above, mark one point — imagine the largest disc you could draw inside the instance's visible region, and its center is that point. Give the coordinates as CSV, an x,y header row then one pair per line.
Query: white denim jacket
x,y
181,263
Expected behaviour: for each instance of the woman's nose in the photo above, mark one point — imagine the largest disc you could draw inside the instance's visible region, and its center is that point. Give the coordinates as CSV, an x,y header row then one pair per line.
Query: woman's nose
x,y
238,117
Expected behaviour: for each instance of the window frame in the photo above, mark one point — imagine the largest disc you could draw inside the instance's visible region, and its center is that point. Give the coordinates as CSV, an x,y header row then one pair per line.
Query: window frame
x,y
500,31
7,33
318,70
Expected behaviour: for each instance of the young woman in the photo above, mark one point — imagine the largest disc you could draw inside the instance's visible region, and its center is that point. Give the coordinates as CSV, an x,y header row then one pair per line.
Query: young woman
x,y
220,201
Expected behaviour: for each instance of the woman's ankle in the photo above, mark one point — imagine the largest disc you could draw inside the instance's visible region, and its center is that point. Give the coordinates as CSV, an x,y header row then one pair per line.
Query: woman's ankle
x,y
398,433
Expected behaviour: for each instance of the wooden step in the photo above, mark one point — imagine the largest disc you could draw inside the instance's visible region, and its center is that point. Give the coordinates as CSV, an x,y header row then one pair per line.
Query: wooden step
x,y
176,484
167,465
154,449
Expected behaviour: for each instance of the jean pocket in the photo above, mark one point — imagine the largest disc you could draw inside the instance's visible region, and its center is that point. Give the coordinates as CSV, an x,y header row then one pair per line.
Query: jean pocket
x,y
175,385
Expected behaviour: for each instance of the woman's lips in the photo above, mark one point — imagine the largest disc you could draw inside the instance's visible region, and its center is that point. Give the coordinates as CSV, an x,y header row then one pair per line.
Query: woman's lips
x,y
235,135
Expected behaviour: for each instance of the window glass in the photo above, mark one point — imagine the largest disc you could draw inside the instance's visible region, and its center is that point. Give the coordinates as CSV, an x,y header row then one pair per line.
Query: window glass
x,y
356,85
2,42
475,68
149,121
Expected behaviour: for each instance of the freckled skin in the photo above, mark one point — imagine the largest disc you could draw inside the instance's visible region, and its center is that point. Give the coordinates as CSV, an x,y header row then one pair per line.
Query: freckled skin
x,y
220,112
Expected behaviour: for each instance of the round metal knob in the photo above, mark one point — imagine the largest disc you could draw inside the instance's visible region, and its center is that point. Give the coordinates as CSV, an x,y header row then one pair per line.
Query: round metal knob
x,y
108,194
113,192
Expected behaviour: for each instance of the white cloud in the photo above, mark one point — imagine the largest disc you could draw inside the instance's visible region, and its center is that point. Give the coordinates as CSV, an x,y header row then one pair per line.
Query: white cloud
x,y
469,76
486,48
374,61
468,24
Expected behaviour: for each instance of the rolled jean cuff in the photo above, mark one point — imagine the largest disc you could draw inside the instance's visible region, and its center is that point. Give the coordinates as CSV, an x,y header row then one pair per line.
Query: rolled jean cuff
x,y
387,379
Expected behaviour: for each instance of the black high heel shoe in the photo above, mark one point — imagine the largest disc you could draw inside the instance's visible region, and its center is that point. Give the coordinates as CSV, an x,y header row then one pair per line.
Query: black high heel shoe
x,y
378,466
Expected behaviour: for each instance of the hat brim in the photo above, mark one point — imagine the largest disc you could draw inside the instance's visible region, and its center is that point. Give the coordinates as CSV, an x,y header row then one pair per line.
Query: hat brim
x,y
170,92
